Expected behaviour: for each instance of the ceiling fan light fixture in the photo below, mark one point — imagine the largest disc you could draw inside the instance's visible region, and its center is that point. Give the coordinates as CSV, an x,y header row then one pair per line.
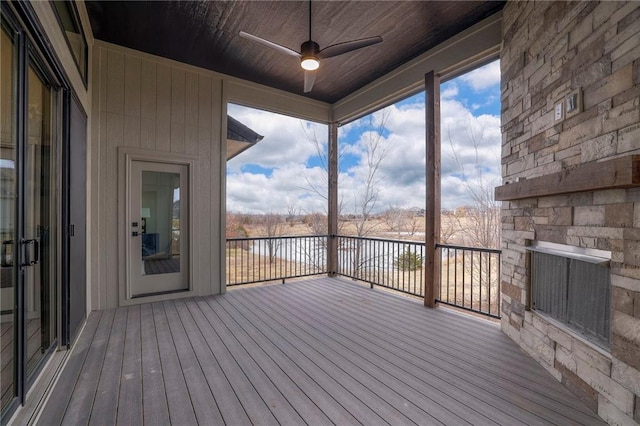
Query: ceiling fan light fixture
x,y
310,63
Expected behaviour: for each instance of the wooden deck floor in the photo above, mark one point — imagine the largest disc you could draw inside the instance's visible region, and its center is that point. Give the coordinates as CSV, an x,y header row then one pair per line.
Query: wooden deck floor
x,y
321,351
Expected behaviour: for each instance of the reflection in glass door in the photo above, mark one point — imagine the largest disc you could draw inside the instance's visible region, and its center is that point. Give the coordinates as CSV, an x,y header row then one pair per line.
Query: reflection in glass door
x,y
7,219
158,200
28,218
39,223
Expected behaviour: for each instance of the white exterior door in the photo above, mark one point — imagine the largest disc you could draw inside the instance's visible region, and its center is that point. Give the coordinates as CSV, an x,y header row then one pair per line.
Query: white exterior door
x,y
159,230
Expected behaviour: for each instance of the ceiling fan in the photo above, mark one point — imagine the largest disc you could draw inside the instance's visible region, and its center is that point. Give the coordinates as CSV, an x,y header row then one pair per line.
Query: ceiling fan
x,y
310,53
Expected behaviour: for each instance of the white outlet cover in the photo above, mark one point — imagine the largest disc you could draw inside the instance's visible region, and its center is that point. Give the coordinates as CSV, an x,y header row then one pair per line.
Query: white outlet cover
x,y
558,112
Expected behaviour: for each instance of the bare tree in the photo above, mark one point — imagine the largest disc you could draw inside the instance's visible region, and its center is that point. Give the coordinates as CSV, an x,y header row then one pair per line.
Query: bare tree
x,y
292,214
414,223
480,224
395,218
319,187
448,227
364,202
273,228
375,150
402,221
234,227
318,223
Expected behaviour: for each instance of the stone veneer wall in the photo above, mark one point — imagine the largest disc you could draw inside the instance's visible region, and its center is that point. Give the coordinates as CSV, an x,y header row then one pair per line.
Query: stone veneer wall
x,y
550,49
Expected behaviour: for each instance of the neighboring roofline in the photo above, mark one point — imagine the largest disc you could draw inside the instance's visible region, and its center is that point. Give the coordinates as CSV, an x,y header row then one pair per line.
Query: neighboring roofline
x,y
242,135
239,132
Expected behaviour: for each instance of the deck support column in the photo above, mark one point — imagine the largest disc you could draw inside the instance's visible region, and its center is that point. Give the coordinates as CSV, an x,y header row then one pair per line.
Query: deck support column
x,y
432,211
332,200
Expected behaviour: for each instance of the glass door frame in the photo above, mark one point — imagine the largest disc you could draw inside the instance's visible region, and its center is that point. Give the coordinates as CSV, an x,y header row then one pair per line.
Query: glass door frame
x,y
31,48
126,156
39,69
18,88
164,280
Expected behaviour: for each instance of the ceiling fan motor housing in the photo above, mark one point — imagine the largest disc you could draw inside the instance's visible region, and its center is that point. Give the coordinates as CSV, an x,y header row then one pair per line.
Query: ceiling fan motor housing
x,y
309,48
308,52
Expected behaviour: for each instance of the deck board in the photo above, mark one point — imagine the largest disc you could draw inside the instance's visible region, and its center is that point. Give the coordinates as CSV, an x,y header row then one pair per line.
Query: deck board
x,y
493,355
181,409
130,396
226,400
59,401
312,364
303,379
318,351
468,367
107,392
81,403
424,388
380,394
280,407
476,379
255,408
204,405
154,398
288,386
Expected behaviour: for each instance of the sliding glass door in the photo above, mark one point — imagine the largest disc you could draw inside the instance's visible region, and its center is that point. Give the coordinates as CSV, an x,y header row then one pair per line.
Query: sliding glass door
x,y
39,221
8,196
29,215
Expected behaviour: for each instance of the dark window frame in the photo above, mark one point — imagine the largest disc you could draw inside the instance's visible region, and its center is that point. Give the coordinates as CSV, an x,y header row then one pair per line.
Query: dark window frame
x,y
75,16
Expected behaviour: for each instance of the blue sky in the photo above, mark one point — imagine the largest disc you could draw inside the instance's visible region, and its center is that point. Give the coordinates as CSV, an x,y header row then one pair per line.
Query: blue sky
x,y
284,170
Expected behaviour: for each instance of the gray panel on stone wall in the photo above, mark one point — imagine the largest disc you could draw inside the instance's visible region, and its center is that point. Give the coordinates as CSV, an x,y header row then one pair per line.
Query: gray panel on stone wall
x,y
549,284
589,299
574,292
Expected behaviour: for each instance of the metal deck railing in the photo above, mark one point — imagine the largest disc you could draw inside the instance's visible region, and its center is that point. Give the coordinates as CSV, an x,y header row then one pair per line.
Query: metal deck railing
x,y
469,279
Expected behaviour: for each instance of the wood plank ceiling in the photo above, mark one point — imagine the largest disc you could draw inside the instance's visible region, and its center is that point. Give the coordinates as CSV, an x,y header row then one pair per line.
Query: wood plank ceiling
x,y
205,34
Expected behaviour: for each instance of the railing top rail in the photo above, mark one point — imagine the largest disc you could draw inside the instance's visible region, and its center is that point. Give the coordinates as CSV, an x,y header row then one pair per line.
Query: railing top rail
x,y
278,237
480,249
385,240
390,240
355,237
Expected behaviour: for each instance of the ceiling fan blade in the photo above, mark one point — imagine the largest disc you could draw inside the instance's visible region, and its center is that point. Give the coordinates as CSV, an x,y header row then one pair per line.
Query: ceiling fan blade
x,y
347,46
309,79
270,44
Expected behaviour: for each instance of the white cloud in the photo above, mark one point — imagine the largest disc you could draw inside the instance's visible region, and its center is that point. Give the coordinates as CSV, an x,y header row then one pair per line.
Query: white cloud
x,y
483,77
470,153
450,91
285,139
258,193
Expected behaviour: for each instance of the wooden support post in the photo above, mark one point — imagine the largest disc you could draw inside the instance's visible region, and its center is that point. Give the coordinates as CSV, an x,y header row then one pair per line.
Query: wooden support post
x,y
432,211
332,208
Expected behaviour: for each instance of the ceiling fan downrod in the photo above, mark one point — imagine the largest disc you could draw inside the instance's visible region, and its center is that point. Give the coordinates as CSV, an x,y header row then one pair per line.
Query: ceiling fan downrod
x,y
309,51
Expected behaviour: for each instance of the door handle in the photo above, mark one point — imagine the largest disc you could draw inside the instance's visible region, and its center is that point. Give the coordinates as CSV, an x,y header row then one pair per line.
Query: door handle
x,y
7,253
26,245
